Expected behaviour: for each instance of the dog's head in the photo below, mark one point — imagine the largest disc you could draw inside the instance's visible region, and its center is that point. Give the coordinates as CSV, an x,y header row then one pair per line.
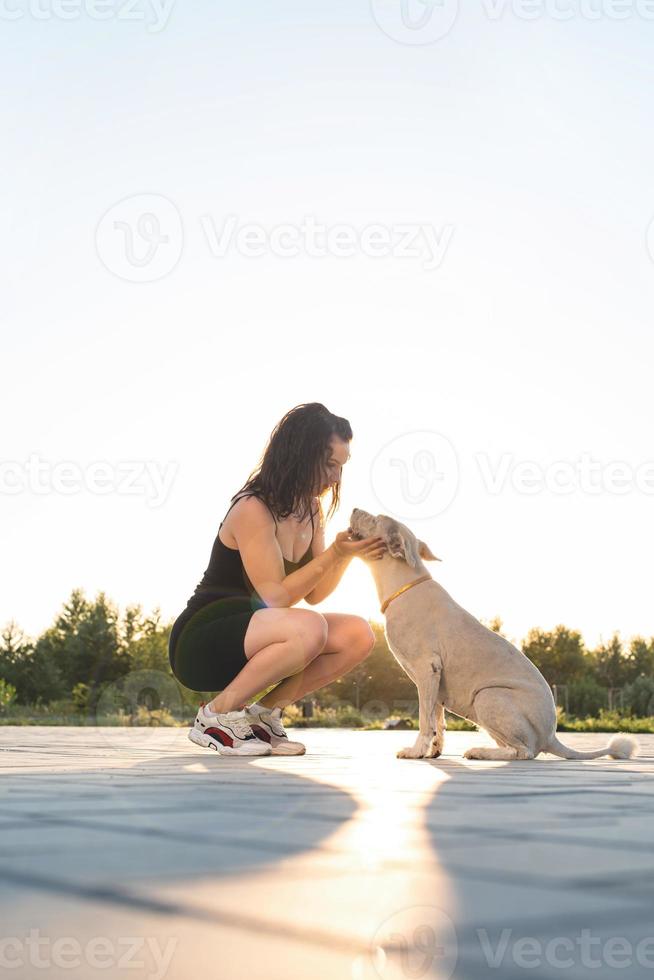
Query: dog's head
x,y
400,541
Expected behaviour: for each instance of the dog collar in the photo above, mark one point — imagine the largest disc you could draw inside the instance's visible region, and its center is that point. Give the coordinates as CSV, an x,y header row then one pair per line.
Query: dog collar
x,y
409,585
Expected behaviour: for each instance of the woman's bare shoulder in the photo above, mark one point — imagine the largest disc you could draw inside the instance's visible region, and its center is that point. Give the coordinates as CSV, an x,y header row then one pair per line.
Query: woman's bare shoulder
x,y
249,511
246,515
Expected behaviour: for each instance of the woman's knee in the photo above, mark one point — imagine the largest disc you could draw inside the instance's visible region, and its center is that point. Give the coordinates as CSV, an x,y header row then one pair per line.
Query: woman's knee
x,y
362,638
308,630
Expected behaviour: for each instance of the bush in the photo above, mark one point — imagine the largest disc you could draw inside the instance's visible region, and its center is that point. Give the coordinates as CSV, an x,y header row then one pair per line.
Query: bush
x,y
586,697
160,718
342,717
638,697
607,721
80,697
7,695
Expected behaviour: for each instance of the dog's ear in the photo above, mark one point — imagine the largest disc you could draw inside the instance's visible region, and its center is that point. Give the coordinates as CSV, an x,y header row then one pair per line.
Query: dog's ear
x,y
425,552
401,547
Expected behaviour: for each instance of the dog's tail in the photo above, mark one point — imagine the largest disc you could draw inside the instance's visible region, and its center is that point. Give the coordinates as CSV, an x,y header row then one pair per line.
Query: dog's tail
x,y
619,747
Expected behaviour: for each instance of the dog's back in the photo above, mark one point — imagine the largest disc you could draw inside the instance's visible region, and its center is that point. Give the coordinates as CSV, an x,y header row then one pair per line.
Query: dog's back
x,y
472,657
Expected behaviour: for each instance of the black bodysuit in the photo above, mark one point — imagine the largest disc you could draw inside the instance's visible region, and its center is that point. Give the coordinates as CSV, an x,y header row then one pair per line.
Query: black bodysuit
x,y
206,641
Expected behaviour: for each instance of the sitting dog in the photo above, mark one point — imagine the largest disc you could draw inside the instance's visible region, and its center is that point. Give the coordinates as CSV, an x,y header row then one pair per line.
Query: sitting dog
x,y
459,664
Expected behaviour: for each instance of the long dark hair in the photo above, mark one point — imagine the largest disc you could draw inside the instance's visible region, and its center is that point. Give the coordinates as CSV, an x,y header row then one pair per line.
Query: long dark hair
x,y
291,465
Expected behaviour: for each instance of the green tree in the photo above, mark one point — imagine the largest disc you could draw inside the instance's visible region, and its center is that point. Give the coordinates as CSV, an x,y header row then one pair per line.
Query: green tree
x,y
29,669
85,643
609,664
145,640
495,624
639,661
639,697
558,654
14,647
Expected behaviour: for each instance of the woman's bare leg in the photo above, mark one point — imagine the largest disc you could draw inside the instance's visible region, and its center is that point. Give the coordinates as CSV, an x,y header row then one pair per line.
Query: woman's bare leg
x,y
349,641
278,643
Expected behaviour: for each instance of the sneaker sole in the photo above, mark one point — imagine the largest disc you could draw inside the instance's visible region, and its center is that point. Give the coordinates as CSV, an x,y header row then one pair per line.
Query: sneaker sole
x,y
207,742
288,749
283,746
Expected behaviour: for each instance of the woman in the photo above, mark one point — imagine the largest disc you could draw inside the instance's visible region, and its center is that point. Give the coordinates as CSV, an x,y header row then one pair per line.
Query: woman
x,y
239,633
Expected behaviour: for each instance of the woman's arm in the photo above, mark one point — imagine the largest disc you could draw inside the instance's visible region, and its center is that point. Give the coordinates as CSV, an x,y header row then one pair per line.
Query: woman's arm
x,y
334,574
253,528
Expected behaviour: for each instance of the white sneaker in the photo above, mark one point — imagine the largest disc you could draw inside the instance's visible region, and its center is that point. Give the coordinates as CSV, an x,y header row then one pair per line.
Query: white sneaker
x,y
267,726
227,733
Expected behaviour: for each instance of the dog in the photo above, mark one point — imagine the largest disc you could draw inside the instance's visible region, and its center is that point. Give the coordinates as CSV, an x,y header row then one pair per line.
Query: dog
x,y
458,663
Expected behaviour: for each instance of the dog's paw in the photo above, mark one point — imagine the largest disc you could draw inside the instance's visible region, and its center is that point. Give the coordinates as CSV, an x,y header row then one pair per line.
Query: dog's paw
x,y
474,753
411,752
433,752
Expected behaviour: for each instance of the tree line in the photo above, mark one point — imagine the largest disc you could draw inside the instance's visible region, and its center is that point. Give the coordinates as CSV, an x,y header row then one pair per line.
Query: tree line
x,y
92,652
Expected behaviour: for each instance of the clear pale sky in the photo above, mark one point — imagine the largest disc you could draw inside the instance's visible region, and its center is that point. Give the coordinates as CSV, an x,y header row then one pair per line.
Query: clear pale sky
x,y
532,339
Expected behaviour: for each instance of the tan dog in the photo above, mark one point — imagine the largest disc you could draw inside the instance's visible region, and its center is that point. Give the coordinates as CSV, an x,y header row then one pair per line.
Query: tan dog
x,y
459,664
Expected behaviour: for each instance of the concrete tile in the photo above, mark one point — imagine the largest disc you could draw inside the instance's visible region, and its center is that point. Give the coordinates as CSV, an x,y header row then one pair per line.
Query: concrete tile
x,y
301,863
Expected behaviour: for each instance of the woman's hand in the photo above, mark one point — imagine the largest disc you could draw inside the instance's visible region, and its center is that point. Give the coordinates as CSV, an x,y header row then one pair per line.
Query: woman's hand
x,y
345,546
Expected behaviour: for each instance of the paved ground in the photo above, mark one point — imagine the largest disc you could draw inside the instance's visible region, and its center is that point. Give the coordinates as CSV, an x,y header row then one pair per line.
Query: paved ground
x,y
132,853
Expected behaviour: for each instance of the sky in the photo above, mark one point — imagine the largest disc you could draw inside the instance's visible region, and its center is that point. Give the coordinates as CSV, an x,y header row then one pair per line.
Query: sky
x,y
434,219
